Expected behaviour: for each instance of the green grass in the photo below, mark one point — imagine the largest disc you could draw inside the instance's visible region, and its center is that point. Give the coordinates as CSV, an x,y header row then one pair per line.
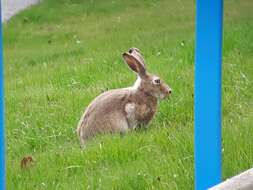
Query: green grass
x,y
50,78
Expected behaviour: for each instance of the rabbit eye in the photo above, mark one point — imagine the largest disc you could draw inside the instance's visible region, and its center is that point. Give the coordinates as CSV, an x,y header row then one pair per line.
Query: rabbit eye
x,y
157,81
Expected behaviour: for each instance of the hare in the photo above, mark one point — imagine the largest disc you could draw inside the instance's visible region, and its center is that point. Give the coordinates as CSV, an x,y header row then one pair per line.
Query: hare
x,y
120,110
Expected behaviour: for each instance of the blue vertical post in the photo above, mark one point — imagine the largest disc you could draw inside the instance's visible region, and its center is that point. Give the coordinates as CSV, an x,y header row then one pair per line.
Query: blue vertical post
x,y
2,157
207,109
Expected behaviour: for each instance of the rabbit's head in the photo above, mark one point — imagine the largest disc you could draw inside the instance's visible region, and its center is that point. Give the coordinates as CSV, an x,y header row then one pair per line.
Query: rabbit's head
x,y
148,83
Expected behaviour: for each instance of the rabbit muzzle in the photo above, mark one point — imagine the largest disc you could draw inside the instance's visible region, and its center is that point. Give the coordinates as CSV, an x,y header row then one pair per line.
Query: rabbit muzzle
x,y
165,91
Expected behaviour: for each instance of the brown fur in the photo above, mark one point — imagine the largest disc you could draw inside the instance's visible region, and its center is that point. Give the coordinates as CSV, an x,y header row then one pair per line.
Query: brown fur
x,y
26,162
122,109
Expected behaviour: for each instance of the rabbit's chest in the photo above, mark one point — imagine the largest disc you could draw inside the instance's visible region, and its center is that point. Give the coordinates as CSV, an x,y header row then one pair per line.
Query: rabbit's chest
x,y
138,114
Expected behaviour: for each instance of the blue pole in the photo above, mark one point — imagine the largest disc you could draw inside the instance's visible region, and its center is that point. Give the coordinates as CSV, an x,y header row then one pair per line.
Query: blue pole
x,y
2,158
208,93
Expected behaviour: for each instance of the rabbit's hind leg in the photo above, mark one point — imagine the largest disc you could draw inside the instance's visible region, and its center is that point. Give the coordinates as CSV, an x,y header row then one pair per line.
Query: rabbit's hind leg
x,y
120,124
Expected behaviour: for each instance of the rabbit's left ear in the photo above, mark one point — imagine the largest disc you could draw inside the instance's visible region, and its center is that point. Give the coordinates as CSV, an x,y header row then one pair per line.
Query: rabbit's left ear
x,y
137,54
135,64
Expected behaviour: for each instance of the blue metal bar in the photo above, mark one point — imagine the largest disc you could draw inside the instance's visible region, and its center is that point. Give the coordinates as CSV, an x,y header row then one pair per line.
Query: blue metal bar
x,y
208,93
2,144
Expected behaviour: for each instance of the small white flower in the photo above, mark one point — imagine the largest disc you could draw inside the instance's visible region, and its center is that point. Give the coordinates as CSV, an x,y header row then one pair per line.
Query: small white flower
x,y
182,43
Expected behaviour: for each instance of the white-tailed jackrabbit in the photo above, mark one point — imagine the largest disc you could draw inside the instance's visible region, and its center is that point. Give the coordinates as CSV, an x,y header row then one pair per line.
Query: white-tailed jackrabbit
x,y
122,109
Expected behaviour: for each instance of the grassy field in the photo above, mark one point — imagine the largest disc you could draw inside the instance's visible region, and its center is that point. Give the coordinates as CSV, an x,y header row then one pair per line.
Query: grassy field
x,y
61,54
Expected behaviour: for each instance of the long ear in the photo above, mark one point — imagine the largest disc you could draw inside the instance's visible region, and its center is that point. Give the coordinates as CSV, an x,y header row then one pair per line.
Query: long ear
x,y
137,54
134,64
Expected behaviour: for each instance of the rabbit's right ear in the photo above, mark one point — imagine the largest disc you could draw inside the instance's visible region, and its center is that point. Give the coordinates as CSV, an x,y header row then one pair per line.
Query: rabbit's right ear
x,y
134,64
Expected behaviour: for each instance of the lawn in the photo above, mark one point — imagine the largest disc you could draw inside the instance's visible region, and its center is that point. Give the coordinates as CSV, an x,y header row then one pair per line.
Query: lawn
x,y
61,54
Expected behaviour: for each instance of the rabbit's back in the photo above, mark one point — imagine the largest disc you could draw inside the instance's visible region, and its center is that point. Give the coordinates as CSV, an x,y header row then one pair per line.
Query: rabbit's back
x,y
105,113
